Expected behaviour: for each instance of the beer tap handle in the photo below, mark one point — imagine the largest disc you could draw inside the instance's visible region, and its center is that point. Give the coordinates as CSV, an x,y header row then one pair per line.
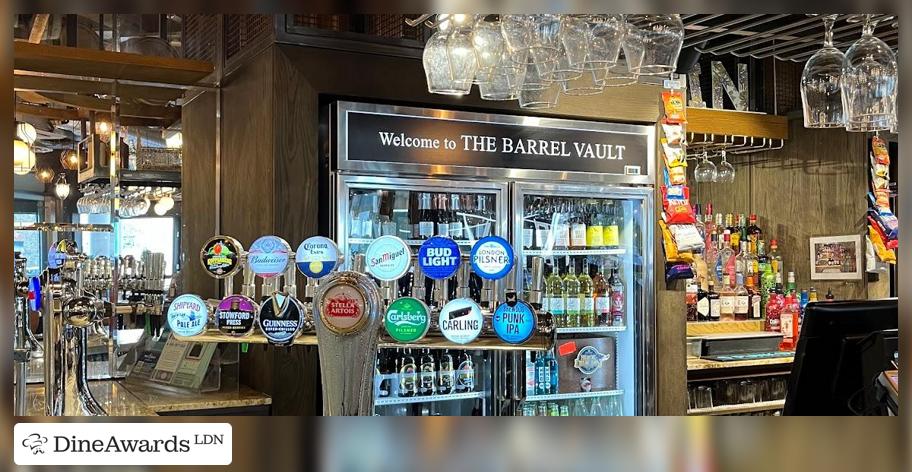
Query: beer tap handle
x,y
462,279
386,291
249,286
418,289
535,291
291,286
358,263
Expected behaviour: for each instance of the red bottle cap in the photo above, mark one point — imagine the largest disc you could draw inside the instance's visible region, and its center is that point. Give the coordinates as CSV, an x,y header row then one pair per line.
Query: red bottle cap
x,y
753,217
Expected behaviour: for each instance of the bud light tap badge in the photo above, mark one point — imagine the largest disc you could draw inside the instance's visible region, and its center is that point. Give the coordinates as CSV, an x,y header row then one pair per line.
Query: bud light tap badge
x,y
317,257
492,258
514,323
439,257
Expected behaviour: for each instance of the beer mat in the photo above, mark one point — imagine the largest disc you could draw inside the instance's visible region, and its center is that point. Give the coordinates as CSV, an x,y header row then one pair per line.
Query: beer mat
x,y
750,356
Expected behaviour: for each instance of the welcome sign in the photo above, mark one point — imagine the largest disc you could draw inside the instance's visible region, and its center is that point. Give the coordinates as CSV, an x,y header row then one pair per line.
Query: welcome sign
x,y
409,136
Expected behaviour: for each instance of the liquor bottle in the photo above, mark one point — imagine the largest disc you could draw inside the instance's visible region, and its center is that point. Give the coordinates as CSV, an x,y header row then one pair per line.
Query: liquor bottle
x,y
788,324
542,375
742,225
750,261
382,372
572,296
726,264
754,312
587,300
617,299
741,259
703,302
456,218
595,231
427,374
577,228
812,295
726,299
562,226
735,230
602,294
552,370
554,288
446,375
408,375
425,216
690,299
753,231
612,228
791,286
742,299
465,375
530,374
829,295
708,223
715,307
774,257
720,225
542,221
803,299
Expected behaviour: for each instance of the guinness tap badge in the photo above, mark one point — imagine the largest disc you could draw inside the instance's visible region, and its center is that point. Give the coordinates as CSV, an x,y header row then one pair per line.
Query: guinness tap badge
x,y
281,318
221,256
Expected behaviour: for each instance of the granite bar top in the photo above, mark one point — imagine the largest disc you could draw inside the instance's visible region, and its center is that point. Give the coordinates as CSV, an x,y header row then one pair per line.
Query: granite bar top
x,y
133,399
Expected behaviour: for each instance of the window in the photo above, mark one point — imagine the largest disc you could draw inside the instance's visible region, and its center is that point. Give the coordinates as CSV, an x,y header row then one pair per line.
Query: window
x,y
29,243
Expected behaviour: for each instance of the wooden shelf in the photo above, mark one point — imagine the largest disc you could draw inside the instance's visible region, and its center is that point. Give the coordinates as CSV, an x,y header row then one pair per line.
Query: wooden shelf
x,y
707,364
703,328
737,409
736,123
83,62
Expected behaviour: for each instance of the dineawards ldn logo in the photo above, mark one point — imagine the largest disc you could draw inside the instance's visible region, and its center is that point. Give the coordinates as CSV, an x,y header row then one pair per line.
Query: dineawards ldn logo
x,y
122,443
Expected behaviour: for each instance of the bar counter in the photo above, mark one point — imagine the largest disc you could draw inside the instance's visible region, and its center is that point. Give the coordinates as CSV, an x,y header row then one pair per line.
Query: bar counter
x,y
131,399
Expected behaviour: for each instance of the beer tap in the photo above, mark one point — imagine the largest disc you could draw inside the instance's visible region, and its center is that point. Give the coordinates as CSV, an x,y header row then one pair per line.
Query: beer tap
x,y
248,288
462,279
419,290
536,290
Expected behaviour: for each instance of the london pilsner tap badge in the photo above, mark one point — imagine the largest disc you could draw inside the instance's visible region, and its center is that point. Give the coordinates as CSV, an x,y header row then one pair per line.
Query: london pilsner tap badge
x,y
514,323
221,256
439,257
407,320
268,256
188,315
235,315
387,258
343,309
460,320
317,257
281,318
492,257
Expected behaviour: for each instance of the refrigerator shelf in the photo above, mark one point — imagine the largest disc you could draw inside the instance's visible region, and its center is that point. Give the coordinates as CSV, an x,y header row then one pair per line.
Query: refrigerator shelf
x,y
410,242
574,252
572,395
428,399
738,408
590,329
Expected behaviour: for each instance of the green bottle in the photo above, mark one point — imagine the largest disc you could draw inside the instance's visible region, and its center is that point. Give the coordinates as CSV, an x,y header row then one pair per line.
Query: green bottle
x,y
572,296
554,287
587,299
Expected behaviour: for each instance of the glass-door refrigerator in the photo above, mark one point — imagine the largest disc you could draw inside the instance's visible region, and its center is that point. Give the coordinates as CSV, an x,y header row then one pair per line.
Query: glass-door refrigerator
x,y
407,381
595,244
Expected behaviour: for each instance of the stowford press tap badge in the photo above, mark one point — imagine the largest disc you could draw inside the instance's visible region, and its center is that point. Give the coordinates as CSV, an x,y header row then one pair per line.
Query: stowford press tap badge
x,y
221,256
188,315
317,257
439,257
268,256
387,258
235,315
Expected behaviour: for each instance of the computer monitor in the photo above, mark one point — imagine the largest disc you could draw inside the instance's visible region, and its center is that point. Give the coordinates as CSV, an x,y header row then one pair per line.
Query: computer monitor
x,y
842,349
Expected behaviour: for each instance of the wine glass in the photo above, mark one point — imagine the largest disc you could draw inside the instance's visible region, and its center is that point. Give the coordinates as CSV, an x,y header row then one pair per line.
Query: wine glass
x,y
705,171
869,81
726,172
821,92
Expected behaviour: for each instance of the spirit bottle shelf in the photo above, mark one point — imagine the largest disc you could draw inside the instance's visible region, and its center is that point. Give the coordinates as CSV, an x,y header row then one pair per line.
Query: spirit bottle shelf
x,y
574,252
739,408
572,395
427,399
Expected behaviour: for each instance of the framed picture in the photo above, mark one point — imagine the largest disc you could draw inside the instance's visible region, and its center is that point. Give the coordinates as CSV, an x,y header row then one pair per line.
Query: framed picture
x,y
836,258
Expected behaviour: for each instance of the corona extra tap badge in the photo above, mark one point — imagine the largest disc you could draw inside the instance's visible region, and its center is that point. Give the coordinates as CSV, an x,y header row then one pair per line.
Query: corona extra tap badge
x,y
221,256
460,320
317,257
514,323
439,257
235,315
188,315
492,257
268,256
343,309
281,318
407,320
387,258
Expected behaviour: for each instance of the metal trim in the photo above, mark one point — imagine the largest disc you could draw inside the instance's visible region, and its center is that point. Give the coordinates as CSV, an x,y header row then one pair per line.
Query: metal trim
x,y
394,168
